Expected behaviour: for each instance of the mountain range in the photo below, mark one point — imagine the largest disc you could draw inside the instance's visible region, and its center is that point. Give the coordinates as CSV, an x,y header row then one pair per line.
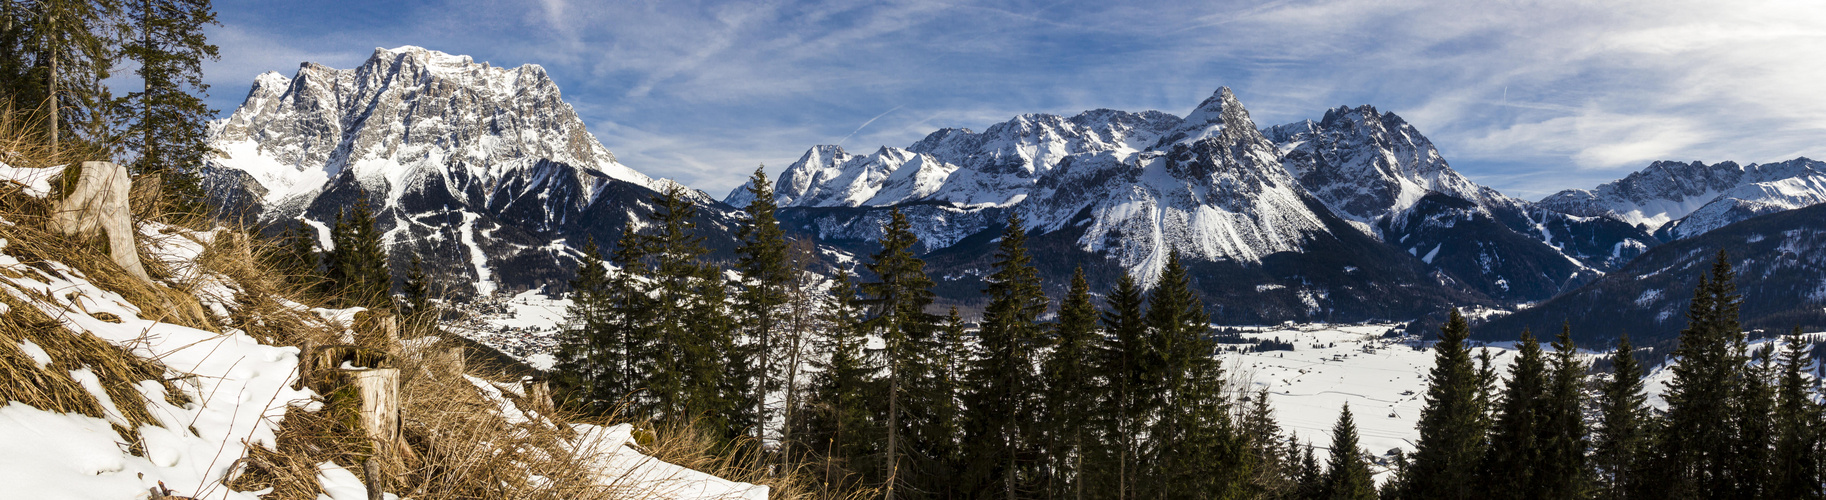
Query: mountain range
x,y
1356,215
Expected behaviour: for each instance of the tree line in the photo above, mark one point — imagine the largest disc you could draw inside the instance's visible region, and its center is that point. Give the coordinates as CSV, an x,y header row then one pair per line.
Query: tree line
x,y
856,379
55,56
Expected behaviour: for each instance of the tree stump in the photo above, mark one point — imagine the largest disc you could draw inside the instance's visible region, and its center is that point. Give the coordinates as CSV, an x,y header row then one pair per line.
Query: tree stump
x,y
379,391
537,393
98,203
454,357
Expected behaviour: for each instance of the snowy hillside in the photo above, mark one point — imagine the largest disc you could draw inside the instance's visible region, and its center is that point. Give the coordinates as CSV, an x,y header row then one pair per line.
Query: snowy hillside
x,y
194,386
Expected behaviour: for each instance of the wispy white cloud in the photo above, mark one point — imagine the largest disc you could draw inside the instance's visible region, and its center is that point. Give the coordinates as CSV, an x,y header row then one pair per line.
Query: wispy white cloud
x,y
701,91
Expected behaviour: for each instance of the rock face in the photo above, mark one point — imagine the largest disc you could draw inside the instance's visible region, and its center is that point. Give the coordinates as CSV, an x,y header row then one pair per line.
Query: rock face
x,y
484,170
1667,191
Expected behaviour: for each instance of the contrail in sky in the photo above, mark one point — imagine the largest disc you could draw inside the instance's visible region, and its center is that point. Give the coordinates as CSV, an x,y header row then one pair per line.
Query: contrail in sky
x,y
866,124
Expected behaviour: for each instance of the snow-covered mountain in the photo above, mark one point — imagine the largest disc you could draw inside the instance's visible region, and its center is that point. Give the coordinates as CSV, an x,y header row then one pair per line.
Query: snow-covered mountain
x,y
1667,191
1116,191
1780,260
1380,172
1212,186
482,169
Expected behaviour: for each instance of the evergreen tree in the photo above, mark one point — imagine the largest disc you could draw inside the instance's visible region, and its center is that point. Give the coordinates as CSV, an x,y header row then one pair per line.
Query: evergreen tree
x,y
1001,405
417,307
1451,424
1276,475
1795,470
940,455
74,44
1126,399
692,338
167,118
357,266
1071,389
1695,445
582,373
1562,472
628,315
296,255
897,305
1348,476
838,424
761,259
1312,478
1511,466
1755,427
1194,444
1621,445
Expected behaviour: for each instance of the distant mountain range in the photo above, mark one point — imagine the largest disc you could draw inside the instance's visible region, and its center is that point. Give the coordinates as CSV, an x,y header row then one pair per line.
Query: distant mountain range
x,y
1353,216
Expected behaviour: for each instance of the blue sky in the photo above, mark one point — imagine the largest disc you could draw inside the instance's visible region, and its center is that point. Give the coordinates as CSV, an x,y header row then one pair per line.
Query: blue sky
x,y
1527,97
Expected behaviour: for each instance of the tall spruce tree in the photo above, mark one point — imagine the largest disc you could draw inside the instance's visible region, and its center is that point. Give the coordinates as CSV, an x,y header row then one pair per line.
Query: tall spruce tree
x,y
1001,408
1796,466
629,327
1622,434
692,338
1071,388
1126,397
760,302
167,118
357,266
417,307
939,440
897,304
1562,472
1695,444
1348,476
74,44
1451,424
1511,466
585,375
840,430
1195,444
1754,421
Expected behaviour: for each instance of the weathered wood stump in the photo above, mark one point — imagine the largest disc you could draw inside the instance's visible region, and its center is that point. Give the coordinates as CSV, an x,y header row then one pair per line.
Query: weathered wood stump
x,y
453,357
537,393
379,392
97,202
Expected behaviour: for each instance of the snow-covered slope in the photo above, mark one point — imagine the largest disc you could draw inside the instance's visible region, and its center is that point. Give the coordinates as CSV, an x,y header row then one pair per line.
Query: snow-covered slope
x,y
1667,190
485,171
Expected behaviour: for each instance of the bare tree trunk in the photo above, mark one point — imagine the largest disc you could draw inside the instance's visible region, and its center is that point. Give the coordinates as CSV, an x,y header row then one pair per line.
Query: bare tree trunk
x,y
54,103
893,428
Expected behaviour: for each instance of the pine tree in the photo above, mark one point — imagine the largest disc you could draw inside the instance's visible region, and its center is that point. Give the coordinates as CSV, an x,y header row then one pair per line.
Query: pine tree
x,y
1753,419
1003,383
1795,469
296,255
1348,475
761,258
417,307
1511,466
691,328
1451,424
1312,478
76,43
585,372
1694,446
838,424
938,440
629,331
1275,475
1562,472
1621,445
357,266
167,118
1071,388
1126,398
1194,445
897,305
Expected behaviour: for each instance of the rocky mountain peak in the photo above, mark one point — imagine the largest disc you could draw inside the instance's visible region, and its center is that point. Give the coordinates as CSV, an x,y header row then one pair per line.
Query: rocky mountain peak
x,y
1220,115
